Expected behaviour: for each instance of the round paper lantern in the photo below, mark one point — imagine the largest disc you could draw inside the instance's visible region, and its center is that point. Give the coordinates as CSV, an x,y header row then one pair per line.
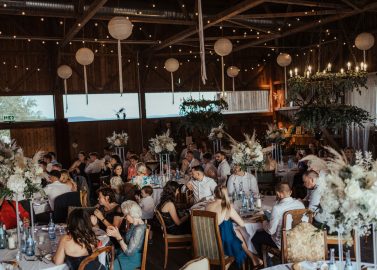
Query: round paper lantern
x,y
284,59
364,41
84,56
120,28
223,46
232,71
64,72
171,65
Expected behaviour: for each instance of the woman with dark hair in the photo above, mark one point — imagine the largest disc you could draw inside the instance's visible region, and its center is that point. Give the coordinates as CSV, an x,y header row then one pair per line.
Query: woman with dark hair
x,y
116,183
79,243
174,224
78,167
109,168
109,212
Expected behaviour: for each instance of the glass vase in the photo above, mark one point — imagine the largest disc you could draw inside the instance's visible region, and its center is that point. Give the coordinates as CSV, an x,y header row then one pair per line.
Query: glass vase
x,y
374,245
120,152
357,248
216,145
18,223
165,164
340,251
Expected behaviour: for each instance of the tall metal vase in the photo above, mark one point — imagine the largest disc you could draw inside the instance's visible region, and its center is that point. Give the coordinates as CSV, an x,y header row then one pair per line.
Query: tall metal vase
x,y
358,252
340,250
374,227
32,217
165,161
216,145
120,152
18,228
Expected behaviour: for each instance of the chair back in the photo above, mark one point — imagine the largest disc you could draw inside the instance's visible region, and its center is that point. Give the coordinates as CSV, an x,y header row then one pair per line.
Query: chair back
x,y
61,204
109,258
292,218
304,243
206,236
145,249
162,223
201,263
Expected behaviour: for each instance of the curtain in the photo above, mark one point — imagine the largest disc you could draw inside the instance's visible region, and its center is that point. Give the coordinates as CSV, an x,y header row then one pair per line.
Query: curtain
x,y
358,137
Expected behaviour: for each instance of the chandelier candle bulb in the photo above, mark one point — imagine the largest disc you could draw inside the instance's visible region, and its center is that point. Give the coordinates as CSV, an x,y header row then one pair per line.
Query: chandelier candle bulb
x,y
296,71
341,70
310,69
291,73
329,67
349,66
308,73
357,69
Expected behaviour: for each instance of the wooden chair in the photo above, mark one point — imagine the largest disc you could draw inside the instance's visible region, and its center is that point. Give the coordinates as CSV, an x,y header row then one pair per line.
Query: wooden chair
x,y
170,238
303,243
201,263
207,240
109,257
296,218
145,249
332,240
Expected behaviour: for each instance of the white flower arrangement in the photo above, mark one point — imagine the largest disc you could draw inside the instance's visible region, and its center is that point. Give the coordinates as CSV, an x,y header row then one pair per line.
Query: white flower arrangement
x,y
247,153
349,193
162,144
275,134
118,139
18,174
217,133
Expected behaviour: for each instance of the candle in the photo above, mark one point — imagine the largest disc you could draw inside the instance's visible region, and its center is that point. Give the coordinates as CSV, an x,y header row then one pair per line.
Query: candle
x,y
258,203
349,65
291,73
11,242
362,65
308,73
365,67
296,71
310,69
324,71
329,66
357,69
342,70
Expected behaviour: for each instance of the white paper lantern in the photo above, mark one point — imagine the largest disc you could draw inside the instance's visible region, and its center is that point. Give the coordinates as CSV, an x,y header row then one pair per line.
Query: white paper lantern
x,y
232,71
84,56
284,59
120,28
64,72
171,65
364,41
223,46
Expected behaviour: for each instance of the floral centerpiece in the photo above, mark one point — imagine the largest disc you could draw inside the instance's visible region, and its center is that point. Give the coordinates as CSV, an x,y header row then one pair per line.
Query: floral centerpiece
x,y
275,134
118,139
18,175
162,144
217,133
349,193
247,153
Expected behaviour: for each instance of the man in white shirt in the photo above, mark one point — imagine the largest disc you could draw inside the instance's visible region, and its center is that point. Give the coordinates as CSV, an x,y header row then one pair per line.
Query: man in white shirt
x,y
241,179
189,162
223,170
56,188
313,197
95,165
209,169
202,186
271,235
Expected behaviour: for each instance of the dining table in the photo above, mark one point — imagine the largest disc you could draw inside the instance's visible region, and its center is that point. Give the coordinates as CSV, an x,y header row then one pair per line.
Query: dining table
x,y
313,266
45,249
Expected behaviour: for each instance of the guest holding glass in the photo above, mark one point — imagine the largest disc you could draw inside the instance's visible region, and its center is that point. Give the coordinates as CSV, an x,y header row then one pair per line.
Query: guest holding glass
x,y
241,179
109,212
116,183
174,223
129,253
78,167
79,242
65,178
132,170
202,186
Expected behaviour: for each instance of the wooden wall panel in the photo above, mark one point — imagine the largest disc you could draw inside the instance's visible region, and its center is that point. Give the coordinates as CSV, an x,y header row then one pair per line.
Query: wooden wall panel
x,y
34,139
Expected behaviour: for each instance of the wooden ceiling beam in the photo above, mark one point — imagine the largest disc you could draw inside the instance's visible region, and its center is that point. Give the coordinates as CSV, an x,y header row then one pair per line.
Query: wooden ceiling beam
x,y
82,20
350,4
308,26
307,3
248,26
292,14
222,16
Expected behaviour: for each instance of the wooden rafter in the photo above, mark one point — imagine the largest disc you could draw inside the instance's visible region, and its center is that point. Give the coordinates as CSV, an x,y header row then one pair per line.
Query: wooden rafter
x,y
307,3
349,3
296,14
222,16
307,26
248,26
82,20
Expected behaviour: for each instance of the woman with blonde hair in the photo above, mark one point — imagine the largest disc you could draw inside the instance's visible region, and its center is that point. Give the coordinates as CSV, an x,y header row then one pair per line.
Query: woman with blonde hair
x,y
141,179
65,178
232,240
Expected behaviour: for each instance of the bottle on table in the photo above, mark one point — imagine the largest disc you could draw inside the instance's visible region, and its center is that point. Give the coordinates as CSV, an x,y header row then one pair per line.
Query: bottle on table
x,y
51,228
348,265
177,175
332,263
251,201
30,251
24,238
3,238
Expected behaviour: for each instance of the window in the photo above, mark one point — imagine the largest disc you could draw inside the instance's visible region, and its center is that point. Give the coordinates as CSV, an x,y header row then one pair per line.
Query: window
x,y
161,105
101,107
5,135
26,108
247,101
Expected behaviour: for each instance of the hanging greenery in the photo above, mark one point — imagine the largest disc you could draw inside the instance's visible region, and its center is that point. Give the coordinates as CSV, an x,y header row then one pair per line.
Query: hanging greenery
x,y
331,116
325,88
202,115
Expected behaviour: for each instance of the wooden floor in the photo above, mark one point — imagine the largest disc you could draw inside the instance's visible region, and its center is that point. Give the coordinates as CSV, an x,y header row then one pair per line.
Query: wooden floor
x,y
177,258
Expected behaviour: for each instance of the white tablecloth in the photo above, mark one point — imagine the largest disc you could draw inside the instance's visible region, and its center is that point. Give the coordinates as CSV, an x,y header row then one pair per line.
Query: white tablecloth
x,y
6,254
288,266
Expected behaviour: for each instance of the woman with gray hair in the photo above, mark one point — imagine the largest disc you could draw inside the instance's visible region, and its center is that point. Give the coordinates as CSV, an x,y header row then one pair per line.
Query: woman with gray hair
x,y
129,256
141,179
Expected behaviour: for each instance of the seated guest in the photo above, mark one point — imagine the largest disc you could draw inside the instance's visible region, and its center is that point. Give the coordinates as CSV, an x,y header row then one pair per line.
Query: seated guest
x,y
116,183
142,178
146,155
56,166
349,152
65,178
146,202
193,162
132,171
109,212
79,242
55,188
129,255
271,163
223,169
44,176
78,167
271,235
209,169
8,215
232,240
95,165
109,165
241,179
174,223
313,197
129,191
48,158
202,186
